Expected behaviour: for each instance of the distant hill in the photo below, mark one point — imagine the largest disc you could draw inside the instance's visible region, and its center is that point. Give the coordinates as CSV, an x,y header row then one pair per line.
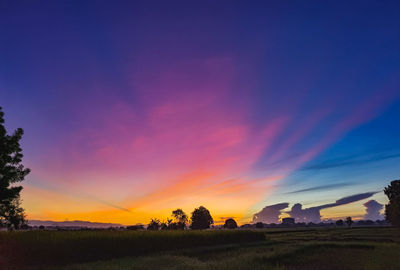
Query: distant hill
x,y
74,223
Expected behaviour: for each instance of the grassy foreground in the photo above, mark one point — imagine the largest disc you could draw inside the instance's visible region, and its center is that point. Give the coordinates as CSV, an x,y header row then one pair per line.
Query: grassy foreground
x,y
356,248
38,249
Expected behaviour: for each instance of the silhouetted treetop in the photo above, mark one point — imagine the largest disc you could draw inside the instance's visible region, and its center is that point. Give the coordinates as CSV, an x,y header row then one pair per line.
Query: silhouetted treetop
x,y
11,171
179,215
259,225
154,225
230,223
181,220
201,219
339,222
349,221
393,190
392,209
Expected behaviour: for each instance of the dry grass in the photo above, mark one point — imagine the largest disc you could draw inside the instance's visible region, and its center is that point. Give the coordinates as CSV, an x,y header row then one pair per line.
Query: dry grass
x,y
39,248
356,248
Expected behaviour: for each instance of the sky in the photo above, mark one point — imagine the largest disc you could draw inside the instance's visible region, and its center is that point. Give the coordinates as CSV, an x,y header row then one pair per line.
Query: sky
x,y
132,109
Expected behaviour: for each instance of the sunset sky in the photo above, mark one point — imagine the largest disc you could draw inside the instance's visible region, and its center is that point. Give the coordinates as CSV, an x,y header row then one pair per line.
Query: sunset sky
x,y
134,108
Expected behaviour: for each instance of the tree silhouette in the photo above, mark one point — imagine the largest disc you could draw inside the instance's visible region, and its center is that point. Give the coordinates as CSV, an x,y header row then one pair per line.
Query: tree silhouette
x,y
349,221
230,223
201,219
11,171
154,225
181,219
174,226
339,222
392,209
169,225
259,225
135,227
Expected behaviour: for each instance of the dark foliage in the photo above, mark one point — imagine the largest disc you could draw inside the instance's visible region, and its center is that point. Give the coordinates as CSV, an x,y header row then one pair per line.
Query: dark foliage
x,y
392,209
176,226
259,225
164,226
25,227
230,223
135,227
349,221
201,219
339,222
11,172
365,223
181,219
154,225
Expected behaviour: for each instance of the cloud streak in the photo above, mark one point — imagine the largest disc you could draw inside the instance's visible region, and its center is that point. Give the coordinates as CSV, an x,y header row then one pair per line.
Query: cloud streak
x,y
323,187
343,162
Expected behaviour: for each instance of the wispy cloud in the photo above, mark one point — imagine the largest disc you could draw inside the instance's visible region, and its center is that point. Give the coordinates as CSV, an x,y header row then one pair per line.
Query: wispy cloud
x,y
62,189
353,161
349,199
323,187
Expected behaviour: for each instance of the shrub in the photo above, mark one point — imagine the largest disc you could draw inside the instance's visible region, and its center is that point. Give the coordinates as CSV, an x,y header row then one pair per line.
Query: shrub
x,y
230,223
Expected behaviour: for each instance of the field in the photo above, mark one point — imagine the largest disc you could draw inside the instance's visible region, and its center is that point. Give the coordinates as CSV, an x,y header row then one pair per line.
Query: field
x,y
323,248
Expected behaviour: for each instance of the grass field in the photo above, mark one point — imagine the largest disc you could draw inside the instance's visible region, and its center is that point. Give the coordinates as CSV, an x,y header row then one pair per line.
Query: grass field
x,y
355,248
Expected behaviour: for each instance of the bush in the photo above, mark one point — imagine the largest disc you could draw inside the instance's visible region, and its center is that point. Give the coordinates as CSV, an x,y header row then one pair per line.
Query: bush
x,y
339,222
259,225
230,223
135,227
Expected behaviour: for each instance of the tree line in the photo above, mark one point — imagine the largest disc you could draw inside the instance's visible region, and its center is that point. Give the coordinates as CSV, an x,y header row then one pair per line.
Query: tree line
x,y
200,219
